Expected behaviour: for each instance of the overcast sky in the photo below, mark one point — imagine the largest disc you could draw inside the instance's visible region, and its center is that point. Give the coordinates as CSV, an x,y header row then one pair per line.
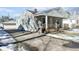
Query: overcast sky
x,y
16,11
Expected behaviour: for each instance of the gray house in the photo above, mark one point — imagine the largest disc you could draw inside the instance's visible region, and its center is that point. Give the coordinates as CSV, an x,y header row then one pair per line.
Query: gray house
x,y
29,20
50,17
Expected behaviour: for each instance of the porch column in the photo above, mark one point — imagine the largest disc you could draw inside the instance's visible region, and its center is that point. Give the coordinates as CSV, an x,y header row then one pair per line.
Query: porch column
x,y
46,23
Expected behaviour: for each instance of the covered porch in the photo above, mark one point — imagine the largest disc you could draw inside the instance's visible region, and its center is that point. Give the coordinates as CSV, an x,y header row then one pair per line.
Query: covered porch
x,y
50,17
49,22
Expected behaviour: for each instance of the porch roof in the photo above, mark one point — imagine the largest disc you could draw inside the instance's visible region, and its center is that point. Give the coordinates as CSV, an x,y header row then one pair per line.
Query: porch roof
x,y
55,12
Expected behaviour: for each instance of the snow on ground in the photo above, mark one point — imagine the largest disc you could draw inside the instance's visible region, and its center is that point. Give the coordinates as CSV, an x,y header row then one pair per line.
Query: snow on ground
x,y
4,39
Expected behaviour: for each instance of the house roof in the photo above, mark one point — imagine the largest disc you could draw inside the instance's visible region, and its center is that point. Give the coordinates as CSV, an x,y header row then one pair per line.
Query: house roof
x,y
55,12
31,11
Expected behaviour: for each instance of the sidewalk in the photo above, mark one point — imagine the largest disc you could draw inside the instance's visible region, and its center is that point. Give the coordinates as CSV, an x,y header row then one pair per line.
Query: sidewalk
x,y
74,38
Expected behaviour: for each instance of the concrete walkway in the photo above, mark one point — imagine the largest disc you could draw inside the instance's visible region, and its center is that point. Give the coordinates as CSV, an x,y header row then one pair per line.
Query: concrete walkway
x,y
29,36
74,38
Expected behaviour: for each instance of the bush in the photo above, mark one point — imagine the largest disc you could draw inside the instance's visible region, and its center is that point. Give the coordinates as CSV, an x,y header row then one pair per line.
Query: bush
x,y
66,26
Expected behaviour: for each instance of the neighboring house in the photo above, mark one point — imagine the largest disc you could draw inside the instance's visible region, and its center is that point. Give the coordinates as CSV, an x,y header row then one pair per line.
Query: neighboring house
x,y
6,20
29,20
72,21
